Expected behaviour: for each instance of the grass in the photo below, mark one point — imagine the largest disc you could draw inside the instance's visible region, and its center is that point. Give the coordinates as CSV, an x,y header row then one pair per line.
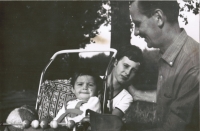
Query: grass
x,y
140,115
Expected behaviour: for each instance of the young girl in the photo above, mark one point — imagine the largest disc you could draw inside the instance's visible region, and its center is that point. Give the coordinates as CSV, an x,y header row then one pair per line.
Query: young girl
x,y
85,87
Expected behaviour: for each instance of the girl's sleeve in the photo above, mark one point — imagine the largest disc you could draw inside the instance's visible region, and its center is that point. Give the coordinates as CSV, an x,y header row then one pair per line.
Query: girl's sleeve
x,y
124,103
92,104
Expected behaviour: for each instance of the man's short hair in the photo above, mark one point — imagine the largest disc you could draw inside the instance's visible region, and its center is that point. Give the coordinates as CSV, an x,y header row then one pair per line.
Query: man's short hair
x,y
133,52
169,8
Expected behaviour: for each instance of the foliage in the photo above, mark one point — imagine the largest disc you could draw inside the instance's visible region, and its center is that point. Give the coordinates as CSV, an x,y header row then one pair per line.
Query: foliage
x,y
95,15
190,5
98,63
31,31
81,21
64,65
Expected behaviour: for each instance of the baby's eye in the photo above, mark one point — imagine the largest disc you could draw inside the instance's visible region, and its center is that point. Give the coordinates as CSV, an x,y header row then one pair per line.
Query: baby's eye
x,y
80,84
91,85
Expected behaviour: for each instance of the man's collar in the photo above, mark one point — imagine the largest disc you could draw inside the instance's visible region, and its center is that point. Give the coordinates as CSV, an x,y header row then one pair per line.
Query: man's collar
x,y
171,53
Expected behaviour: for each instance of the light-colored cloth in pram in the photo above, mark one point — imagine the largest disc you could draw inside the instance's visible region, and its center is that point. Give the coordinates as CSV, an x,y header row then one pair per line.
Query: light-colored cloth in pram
x,y
70,108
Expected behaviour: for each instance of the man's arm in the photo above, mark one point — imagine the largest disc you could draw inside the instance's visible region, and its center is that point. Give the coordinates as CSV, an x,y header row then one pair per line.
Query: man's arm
x,y
149,96
182,107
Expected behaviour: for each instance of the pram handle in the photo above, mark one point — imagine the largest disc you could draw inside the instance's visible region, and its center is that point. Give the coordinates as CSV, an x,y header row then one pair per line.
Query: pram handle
x,y
84,50
73,51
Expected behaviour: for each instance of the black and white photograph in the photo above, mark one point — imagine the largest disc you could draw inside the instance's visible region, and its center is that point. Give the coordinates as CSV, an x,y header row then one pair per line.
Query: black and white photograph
x,y
99,65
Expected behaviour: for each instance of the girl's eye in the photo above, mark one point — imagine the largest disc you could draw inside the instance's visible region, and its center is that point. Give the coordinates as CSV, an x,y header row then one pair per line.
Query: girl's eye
x,y
133,70
126,66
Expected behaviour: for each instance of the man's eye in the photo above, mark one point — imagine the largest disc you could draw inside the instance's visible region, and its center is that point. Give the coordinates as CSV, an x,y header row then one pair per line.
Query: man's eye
x,y
137,24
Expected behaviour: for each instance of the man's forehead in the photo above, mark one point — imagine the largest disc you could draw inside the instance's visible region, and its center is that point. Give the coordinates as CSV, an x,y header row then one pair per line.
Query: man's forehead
x,y
134,6
135,12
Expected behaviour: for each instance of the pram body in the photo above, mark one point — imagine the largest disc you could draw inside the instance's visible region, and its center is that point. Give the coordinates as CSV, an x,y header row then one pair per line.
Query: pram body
x,y
98,120
41,83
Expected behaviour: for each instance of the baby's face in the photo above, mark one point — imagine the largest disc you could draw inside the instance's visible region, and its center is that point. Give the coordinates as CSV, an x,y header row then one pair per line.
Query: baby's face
x,y
85,87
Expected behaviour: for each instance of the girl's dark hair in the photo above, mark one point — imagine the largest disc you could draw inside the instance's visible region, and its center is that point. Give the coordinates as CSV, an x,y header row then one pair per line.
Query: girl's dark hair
x,y
86,71
133,52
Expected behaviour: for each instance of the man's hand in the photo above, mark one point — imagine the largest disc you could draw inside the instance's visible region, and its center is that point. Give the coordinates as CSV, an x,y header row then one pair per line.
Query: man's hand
x,y
149,96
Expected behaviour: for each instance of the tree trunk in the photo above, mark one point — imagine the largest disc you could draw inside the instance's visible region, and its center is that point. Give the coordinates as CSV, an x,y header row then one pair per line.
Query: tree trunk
x,y
120,24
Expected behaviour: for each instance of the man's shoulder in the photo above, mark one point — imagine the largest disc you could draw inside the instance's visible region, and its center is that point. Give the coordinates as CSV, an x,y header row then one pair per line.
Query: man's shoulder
x,y
191,44
191,49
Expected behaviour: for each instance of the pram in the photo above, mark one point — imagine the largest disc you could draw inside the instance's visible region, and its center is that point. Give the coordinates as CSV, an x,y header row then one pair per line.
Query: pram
x,y
52,93
95,117
42,83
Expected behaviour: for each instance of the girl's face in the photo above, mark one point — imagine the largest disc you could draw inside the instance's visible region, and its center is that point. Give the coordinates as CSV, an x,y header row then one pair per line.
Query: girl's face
x,y
125,70
85,87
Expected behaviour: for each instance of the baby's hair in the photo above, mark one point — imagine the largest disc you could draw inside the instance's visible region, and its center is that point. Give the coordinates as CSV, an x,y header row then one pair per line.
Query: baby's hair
x,y
86,71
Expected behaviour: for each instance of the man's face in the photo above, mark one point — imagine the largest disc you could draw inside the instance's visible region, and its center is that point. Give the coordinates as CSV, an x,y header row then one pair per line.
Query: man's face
x,y
125,70
145,27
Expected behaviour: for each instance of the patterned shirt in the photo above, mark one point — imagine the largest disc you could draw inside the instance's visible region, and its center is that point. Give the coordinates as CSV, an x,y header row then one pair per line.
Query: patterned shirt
x,y
178,84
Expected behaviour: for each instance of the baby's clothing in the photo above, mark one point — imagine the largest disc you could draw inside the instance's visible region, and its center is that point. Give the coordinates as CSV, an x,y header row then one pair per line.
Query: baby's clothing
x,y
93,104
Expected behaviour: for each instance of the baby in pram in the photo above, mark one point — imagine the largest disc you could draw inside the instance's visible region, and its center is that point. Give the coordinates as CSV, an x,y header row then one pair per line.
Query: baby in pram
x,y
86,85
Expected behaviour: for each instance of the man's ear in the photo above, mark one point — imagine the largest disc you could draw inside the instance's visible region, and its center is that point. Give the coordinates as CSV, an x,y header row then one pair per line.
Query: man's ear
x,y
115,62
159,17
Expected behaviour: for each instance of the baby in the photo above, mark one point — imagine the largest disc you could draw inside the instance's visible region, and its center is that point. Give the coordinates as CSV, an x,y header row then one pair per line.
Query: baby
x,y
85,87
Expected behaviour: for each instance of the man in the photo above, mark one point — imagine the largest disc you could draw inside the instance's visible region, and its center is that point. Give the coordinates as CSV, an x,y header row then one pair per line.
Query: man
x,y
126,65
178,84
